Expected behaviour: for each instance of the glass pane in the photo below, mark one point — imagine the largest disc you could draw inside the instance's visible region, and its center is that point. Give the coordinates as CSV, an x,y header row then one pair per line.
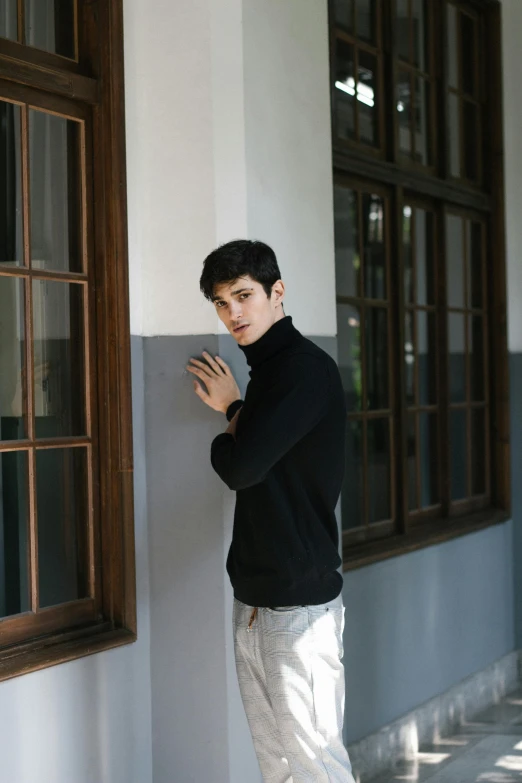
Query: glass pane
x,y
374,248
475,266
377,358
352,488
14,549
49,25
9,19
471,130
345,91
12,358
367,98
421,116
61,507
55,195
402,29
379,469
459,454
427,357
468,59
349,354
411,452
59,376
455,261
476,349
409,356
407,220
478,452
404,113
347,259
457,357
343,10
429,459
420,37
11,229
453,73
366,20
454,126
425,267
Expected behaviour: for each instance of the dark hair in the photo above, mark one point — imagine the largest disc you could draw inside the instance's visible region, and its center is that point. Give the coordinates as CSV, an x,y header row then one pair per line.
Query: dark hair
x,y
235,259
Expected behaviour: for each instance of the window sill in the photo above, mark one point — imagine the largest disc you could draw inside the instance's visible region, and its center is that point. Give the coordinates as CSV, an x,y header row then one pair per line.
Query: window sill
x,y
428,535
45,652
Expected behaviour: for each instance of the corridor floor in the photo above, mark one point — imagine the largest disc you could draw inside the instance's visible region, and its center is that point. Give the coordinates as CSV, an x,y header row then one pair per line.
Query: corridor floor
x,y
486,750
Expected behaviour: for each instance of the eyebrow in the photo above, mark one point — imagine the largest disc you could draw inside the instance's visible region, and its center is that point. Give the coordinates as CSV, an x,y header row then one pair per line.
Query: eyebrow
x,y
237,291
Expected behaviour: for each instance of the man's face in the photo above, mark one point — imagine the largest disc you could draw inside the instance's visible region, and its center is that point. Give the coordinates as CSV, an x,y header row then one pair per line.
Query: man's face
x,y
244,301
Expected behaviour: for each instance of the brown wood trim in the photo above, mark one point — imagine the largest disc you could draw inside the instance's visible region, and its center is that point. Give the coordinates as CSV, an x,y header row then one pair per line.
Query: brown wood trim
x,y
54,80
66,647
418,537
34,56
23,627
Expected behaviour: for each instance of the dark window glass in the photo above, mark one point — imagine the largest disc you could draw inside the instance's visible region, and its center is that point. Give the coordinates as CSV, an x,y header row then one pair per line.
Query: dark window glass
x,y
420,38
421,117
366,20
376,336
404,112
379,469
453,73
409,356
61,507
349,354
457,357
12,358
14,522
478,451
470,130
374,247
407,220
411,456
345,91
343,10
426,351
347,258
459,454
475,265
9,19
402,28
454,127
353,484
429,459
49,25
367,98
476,349
11,227
469,54
455,261
424,257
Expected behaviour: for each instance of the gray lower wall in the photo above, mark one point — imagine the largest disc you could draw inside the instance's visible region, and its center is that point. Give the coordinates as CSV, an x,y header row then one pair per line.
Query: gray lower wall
x,y
415,624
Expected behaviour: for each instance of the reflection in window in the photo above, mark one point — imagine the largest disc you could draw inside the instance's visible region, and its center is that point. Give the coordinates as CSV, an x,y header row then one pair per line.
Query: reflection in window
x,y
9,19
50,25
12,359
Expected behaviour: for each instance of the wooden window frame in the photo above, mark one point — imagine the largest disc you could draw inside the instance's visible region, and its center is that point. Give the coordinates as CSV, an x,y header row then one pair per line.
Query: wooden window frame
x,y
486,199
92,88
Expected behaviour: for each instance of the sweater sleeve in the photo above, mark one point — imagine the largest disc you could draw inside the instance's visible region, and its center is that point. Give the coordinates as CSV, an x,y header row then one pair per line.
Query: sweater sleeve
x,y
290,408
232,408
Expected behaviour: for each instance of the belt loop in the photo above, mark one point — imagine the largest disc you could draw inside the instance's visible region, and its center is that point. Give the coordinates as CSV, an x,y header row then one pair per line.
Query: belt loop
x,y
252,618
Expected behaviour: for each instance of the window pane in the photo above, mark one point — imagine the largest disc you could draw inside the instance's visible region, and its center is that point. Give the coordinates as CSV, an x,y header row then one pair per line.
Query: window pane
x,y
366,12
49,25
55,196
352,488
476,349
420,38
422,121
425,267
453,74
455,261
59,377
347,259
478,451
12,358
349,354
429,460
407,220
427,357
343,10
409,356
475,265
61,506
454,127
402,28
457,358
367,98
14,549
379,469
377,358
374,247
9,19
469,55
459,454
411,456
470,120
11,229
345,91
404,113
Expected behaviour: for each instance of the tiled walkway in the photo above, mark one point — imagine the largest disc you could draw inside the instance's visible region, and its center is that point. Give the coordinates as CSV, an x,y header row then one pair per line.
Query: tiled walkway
x,y
487,750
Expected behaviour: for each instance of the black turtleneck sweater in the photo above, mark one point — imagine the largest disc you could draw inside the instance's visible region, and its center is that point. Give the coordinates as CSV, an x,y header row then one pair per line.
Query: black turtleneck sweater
x,y
286,464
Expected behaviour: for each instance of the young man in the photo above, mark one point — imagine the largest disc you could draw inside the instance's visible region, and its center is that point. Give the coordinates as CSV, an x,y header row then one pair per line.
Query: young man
x,y
283,453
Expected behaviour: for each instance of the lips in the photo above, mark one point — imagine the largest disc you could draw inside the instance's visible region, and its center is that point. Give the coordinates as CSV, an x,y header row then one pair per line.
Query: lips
x,y
240,328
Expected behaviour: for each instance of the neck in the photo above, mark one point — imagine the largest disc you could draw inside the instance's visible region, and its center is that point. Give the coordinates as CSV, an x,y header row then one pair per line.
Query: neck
x,y
277,337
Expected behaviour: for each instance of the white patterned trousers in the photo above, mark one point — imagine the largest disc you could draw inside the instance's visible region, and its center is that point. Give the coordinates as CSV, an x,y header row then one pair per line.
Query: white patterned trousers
x,y
291,680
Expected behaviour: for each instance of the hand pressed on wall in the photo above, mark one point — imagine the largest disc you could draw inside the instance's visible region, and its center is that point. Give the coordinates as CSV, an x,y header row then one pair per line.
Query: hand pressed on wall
x,y
217,377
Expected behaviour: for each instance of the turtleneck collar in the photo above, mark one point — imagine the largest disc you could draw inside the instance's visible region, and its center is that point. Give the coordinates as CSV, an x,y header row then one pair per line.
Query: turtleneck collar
x,y
281,334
